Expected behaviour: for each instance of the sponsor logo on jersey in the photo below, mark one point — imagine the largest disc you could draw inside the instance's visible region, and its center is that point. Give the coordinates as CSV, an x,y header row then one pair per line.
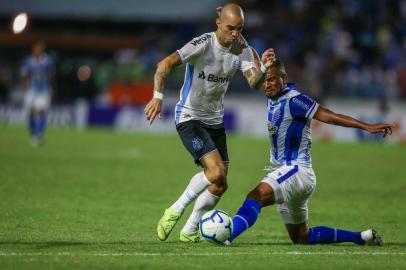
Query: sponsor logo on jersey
x,y
200,40
201,75
272,129
213,78
197,143
301,103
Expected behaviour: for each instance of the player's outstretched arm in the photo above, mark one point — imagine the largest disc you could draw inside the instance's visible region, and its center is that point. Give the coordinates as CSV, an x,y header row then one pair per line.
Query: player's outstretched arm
x,y
153,108
255,76
325,115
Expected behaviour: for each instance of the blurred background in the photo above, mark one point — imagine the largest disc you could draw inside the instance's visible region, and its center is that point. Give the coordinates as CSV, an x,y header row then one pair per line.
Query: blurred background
x,y
349,55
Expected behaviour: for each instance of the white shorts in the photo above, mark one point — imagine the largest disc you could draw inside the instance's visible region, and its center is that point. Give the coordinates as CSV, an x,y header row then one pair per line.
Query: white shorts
x,y
37,101
292,186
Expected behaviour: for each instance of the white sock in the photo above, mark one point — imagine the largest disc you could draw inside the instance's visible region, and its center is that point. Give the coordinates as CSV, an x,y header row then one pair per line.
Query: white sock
x,y
197,185
204,203
367,235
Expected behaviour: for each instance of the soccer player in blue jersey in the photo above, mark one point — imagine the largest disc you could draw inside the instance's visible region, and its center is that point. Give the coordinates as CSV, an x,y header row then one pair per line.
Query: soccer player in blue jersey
x,y
292,181
37,72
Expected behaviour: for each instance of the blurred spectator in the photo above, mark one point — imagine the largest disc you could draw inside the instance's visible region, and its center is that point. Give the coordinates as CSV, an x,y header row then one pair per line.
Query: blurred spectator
x,y
342,48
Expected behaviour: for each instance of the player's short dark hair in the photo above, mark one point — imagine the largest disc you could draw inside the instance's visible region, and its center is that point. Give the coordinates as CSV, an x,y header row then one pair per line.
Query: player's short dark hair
x,y
279,65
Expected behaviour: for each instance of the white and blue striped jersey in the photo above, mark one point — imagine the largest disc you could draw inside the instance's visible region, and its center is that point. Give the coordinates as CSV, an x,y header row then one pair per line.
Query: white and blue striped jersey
x,y
38,72
289,119
209,69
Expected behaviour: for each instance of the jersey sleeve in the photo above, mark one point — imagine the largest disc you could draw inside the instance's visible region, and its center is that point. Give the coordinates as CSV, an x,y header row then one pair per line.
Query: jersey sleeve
x,y
193,48
303,107
247,59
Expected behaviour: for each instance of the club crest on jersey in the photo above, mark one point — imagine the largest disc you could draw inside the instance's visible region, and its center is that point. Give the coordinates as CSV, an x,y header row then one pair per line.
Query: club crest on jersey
x,y
197,143
209,62
272,129
236,63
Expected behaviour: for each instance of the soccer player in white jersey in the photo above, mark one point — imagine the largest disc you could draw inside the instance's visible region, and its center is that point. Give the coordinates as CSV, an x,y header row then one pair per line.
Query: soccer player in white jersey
x,y
292,181
211,61
37,72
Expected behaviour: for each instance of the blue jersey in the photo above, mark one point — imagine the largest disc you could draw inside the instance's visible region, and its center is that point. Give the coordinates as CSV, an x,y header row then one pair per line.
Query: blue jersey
x,y
289,118
38,72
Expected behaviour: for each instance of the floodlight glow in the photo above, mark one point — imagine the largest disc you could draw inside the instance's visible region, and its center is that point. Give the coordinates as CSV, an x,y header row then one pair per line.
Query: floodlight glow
x,y
20,23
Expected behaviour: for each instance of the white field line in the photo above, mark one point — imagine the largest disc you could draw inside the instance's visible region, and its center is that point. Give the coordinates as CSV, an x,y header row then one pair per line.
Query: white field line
x,y
197,254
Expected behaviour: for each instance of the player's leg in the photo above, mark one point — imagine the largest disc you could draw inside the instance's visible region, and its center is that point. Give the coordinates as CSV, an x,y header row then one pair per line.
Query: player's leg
x,y
29,112
294,212
268,192
301,234
31,123
262,195
42,103
35,119
327,235
215,170
298,232
40,124
196,140
215,164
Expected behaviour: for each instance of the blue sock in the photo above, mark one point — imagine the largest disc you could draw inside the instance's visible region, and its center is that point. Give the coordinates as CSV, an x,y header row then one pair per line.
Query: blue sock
x,y
326,235
31,125
245,217
37,125
41,125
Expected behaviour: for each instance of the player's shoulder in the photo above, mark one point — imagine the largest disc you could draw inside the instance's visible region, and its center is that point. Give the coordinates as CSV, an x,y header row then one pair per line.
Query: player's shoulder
x,y
202,40
299,100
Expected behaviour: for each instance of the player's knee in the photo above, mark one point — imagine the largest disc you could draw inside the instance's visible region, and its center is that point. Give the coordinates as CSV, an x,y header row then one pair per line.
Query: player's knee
x,y
254,194
217,174
260,194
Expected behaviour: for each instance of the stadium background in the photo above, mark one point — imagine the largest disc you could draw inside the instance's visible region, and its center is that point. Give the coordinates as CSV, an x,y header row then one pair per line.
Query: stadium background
x,y
90,198
348,55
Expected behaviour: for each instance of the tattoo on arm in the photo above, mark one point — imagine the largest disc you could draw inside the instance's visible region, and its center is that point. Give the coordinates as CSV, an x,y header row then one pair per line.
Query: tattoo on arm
x,y
163,70
254,77
160,76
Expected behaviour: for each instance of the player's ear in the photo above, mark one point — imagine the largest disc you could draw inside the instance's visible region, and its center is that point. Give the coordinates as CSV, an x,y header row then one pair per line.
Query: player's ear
x,y
284,77
218,22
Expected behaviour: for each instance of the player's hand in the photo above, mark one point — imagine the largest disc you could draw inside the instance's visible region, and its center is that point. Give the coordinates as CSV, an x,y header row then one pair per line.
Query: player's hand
x,y
153,109
386,129
238,45
268,57
218,10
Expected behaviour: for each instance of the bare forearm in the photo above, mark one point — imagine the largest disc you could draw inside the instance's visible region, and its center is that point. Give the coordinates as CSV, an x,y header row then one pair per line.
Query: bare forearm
x,y
325,115
254,77
345,121
160,76
163,70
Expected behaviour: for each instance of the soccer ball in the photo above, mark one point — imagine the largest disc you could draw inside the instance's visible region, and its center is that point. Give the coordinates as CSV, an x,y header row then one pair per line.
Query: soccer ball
x,y
216,226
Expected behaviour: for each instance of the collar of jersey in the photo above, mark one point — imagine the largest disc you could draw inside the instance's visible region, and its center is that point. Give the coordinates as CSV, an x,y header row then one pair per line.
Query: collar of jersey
x,y
289,87
221,47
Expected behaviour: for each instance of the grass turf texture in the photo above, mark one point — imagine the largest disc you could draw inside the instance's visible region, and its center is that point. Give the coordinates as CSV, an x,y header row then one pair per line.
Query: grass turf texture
x,y
91,200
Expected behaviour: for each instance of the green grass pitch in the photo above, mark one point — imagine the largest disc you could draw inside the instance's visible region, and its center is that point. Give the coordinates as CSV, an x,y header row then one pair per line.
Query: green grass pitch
x,y
91,200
